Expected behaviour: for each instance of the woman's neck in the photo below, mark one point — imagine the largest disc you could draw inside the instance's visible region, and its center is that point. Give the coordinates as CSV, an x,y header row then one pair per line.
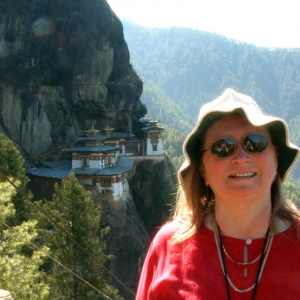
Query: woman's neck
x,y
252,223
242,221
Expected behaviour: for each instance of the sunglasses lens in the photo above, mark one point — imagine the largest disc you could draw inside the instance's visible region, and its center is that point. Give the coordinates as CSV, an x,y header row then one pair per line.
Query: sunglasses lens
x,y
223,148
255,143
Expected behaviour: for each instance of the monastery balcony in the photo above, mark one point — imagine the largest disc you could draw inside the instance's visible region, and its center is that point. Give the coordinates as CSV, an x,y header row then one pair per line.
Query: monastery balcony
x,y
140,158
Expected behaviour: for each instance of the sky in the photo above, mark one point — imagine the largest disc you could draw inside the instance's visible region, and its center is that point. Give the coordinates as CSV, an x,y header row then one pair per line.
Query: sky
x,y
264,23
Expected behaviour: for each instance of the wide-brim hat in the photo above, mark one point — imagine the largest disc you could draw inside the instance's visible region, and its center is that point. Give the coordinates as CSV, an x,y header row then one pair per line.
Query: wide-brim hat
x,y
231,101
5,295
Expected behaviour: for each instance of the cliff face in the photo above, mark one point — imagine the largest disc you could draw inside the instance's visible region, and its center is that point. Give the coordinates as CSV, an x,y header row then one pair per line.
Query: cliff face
x,y
62,65
153,192
136,219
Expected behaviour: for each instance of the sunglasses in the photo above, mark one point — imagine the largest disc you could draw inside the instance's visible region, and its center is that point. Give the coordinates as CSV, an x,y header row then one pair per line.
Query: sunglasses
x,y
254,143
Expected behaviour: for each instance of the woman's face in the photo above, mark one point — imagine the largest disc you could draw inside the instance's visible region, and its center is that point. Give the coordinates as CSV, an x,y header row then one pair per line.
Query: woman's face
x,y
242,175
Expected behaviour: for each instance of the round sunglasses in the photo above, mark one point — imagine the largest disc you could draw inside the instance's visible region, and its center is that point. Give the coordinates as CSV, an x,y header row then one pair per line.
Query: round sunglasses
x,y
254,143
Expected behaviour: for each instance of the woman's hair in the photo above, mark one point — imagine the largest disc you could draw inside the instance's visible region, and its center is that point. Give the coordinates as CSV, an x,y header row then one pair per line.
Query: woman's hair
x,y
194,200
282,208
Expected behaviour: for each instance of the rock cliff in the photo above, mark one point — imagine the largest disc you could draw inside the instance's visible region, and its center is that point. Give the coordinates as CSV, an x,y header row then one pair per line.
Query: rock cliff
x,y
62,65
136,219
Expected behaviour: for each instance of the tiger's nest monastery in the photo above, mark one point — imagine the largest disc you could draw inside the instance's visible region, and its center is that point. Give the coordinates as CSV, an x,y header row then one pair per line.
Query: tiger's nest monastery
x,y
102,161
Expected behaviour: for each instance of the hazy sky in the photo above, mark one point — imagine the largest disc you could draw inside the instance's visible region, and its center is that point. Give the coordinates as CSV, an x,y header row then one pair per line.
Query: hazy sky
x,y
265,23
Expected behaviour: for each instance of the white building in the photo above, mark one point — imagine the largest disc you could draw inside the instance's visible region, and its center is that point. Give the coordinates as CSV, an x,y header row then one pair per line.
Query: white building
x,y
153,137
100,163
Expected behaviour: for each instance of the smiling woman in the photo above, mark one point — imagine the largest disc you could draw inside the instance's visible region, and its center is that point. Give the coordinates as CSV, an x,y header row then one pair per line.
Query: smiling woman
x,y
241,172
233,234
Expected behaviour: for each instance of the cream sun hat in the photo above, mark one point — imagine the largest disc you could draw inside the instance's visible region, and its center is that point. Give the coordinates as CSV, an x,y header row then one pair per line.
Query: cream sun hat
x,y
231,101
5,295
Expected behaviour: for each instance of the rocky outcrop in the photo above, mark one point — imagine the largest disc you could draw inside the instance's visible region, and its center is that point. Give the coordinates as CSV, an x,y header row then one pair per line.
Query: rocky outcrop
x,y
63,64
153,192
136,217
128,242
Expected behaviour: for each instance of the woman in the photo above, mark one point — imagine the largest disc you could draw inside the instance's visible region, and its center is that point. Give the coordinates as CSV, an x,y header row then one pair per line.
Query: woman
x,y
233,235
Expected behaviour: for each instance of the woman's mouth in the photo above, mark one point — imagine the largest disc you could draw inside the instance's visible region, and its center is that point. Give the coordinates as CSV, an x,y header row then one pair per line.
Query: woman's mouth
x,y
242,175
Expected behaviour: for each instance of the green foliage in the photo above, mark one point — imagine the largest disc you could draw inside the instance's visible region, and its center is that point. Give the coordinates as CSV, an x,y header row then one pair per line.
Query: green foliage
x,y
155,205
11,162
74,210
295,132
292,192
11,166
173,141
161,196
20,273
19,261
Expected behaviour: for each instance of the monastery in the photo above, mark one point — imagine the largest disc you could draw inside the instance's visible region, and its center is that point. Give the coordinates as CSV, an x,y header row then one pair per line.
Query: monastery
x,y
102,162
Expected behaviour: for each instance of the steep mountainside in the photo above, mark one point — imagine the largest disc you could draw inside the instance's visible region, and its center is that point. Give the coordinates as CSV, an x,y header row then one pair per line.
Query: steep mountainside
x,y
192,67
188,68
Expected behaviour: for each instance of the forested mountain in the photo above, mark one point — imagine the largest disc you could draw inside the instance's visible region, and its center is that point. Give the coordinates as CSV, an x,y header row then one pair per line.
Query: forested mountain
x,y
184,68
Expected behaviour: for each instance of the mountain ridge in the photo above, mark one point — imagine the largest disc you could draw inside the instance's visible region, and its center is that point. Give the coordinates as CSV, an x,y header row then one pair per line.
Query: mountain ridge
x,y
191,67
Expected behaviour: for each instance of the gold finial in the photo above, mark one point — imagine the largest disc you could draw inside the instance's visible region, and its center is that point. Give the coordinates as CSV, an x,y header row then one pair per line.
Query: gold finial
x,y
92,131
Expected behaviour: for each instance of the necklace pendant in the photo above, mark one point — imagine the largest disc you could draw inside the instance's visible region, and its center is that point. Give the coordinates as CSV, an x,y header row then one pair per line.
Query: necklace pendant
x,y
246,260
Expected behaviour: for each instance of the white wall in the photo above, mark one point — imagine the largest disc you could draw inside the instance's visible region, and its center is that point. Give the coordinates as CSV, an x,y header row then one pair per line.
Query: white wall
x,y
118,190
96,164
93,164
159,147
76,163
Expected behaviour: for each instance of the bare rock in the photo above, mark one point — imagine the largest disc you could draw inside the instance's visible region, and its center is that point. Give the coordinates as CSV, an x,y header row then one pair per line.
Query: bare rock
x,y
63,65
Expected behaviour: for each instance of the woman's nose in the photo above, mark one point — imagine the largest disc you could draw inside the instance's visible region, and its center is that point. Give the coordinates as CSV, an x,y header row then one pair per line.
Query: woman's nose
x,y
240,154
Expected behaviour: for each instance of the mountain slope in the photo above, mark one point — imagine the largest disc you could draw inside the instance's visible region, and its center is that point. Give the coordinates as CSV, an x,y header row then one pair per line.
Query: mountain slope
x,y
191,67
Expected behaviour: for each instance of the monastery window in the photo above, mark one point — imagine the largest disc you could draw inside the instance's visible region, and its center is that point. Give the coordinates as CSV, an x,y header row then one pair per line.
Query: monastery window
x,y
154,147
106,161
105,182
85,162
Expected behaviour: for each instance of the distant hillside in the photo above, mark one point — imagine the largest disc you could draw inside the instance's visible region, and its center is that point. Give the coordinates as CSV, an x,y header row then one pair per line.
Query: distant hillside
x,y
184,68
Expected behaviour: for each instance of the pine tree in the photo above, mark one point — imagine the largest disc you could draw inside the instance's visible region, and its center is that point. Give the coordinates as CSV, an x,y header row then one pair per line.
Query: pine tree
x,y
73,209
11,162
20,261
11,167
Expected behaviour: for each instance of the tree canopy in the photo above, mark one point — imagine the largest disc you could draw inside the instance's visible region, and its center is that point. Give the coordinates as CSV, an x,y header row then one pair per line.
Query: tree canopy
x,y
73,209
20,260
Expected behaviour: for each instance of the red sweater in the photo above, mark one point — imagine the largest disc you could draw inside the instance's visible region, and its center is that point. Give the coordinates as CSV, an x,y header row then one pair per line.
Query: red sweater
x,y
191,269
